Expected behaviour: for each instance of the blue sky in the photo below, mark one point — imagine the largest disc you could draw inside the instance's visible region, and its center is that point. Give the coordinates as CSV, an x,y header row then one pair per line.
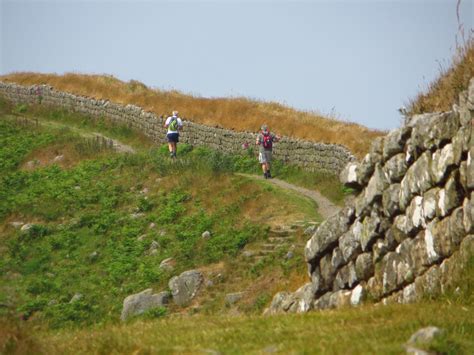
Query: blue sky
x,y
359,59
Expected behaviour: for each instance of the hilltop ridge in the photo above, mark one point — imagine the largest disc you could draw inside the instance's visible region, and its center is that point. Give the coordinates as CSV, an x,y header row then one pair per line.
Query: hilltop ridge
x,y
240,114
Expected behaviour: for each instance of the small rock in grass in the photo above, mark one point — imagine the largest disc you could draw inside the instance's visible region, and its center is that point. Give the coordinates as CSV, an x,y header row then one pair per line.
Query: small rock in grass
x,y
233,298
26,227
77,297
206,235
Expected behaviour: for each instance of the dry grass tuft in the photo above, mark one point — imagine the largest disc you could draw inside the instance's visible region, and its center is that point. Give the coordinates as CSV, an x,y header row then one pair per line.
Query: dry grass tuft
x,y
239,114
444,91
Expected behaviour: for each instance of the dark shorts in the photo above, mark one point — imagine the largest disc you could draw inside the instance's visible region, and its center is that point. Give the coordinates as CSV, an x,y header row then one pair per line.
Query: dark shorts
x,y
173,137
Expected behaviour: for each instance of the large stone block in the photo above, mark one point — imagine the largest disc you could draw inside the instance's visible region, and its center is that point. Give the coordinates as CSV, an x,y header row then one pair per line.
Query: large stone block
x,y
468,214
346,277
432,130
443,161
450,196
301,301
349,243
395,168
395,141
351,176
141,302
430,203
328,272
409,294
369,231
415,217
185,286
328,233
389,269
417,180
364,266
400,228
429,284
377,184
470,169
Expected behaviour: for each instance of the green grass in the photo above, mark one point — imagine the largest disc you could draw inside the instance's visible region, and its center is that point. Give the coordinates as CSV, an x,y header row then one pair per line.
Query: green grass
x,y
367,330
97,206
328,184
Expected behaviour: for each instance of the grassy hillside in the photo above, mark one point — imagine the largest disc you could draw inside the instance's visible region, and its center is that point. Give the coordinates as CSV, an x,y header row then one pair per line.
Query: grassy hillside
x,y
95,215
240,114
365,330
444,91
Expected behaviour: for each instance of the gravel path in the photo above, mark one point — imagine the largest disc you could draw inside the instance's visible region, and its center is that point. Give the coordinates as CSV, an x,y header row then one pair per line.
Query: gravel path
x,y
325,207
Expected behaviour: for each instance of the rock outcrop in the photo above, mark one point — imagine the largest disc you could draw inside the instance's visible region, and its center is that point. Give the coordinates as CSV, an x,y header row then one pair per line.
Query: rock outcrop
x,y
185,286
411,225
141,302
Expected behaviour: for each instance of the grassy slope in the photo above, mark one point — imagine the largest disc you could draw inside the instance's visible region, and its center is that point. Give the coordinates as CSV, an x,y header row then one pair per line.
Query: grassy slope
x,y
365,330
445,90
241,114
85,204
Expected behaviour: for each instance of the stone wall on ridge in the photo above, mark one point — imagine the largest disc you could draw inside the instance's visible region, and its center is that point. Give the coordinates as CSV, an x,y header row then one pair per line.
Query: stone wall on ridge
x,y
411,226
308,155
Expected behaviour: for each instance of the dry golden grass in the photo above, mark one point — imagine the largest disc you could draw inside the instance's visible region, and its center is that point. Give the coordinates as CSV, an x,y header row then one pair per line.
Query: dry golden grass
x,y
444,91
239,114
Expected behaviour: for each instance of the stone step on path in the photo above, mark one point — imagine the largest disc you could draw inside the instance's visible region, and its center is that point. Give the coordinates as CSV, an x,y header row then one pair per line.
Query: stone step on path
x,y
280,238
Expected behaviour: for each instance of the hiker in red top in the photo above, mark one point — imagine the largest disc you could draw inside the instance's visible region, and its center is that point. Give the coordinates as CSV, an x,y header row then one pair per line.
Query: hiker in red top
x,y
265,140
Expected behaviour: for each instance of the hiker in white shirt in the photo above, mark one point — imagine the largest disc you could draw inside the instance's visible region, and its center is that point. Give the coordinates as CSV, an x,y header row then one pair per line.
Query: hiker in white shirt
x,y
174,124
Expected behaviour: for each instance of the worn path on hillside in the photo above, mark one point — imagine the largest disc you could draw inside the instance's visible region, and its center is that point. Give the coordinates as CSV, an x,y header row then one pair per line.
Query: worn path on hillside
x,y
116,145
325,207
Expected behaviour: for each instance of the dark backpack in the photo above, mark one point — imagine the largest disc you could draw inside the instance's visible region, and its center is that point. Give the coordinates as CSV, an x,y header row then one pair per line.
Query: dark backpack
x,y
267,140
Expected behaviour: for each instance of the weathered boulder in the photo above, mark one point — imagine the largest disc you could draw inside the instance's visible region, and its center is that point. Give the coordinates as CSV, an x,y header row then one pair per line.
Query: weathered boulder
x,y
141,302
300,301
185,286
277,303
423,337
395,168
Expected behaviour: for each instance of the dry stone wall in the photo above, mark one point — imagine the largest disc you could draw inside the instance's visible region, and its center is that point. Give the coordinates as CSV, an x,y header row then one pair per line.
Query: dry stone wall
x,y
411,227
308,155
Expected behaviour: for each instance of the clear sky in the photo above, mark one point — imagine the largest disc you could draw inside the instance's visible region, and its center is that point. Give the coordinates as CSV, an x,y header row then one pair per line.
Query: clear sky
x,y
359,59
